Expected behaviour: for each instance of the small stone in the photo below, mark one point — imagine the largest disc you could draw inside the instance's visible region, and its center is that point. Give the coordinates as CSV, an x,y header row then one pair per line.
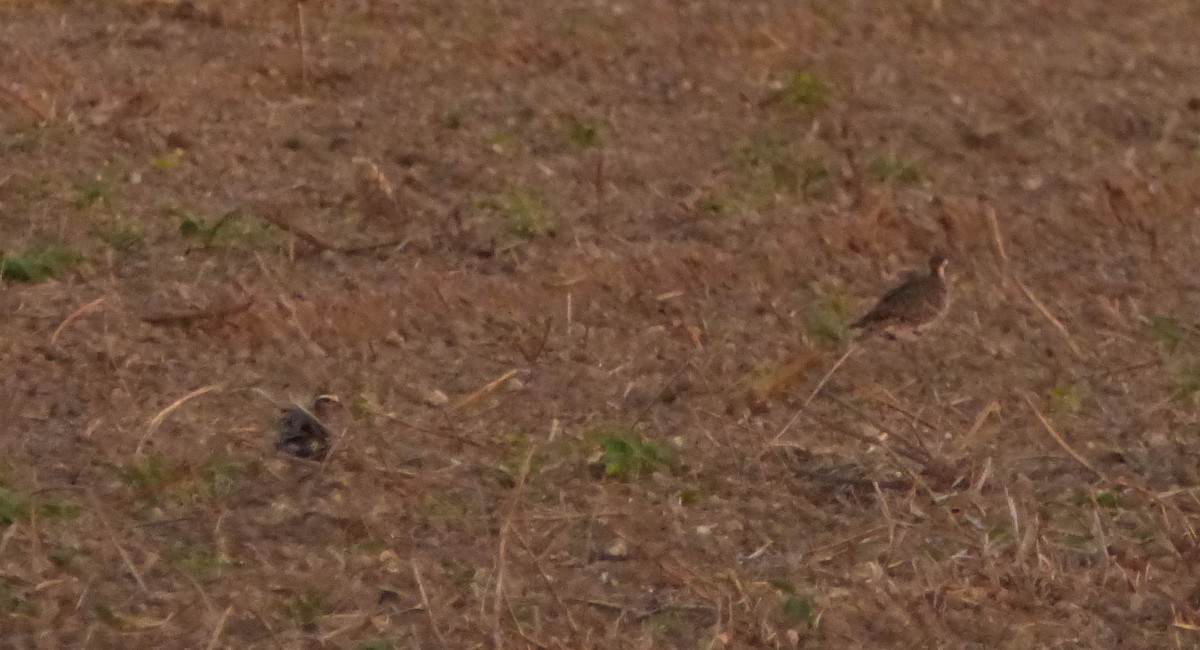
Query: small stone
x,y
436,397
618,550
390,561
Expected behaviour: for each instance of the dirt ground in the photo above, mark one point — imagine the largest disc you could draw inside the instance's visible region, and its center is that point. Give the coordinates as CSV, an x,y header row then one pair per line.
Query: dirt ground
x,y
574,269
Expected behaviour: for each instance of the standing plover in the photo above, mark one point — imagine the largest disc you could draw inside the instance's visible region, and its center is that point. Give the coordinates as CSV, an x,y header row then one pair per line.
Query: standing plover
x,y
302,432
907,311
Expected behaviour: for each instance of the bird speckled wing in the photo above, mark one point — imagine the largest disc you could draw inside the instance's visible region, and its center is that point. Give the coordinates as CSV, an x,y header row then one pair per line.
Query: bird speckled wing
x,y
911,308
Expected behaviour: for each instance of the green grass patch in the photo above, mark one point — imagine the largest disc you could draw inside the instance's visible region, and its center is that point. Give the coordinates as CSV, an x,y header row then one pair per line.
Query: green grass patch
x,y
1166,332
201,563
583,133
232,230
503,142
94,191
218,476
121,237
805,90
1110,500
627,455
17,506
891,168
167,161
14,598
798,610
306,607
828,324
148,474
772,165
523,213
38,264
1067,399
1187,382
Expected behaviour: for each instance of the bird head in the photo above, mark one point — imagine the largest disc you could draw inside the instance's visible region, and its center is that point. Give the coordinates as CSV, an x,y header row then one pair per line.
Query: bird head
x,y
937,265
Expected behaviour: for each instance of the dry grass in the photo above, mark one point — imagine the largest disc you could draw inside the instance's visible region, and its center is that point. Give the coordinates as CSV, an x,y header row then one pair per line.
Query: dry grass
x,y
580,274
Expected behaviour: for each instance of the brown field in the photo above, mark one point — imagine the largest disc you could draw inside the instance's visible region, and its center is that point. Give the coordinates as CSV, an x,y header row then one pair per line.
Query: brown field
x,y
575,269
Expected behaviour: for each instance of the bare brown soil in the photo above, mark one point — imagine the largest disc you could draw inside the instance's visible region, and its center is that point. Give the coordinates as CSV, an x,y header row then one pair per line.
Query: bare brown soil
x,y
641,220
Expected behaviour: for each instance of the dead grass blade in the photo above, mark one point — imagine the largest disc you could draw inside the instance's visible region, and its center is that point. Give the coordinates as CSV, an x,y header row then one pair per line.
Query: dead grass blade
x,y
112,538
532,354
892,403
18,96
271,215
192,315
279,221
761,386
85,309
821,384
1050,317
549,583
502,546
965,439
437,631
1061,442
997,239
491,386
157,420
216,637
302,42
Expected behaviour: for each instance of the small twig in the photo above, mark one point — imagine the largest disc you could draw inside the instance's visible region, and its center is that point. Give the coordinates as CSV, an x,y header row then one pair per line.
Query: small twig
x,y
531,356
157,420
190,316
302,41
425,603
212,643
813,554
549,585
1063,443
662,392
598,179
988,409
575,516
89,307
1049,316
909,414
997,238
782,430
112,538
444,432
16,93
502,545
914,451
612,607
678,607
821,384
491,386
642,614
270,215
512,614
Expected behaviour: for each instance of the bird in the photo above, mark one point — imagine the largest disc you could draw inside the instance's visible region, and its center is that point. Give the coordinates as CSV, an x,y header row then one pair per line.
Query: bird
x,y
377,199
302,433
910,309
